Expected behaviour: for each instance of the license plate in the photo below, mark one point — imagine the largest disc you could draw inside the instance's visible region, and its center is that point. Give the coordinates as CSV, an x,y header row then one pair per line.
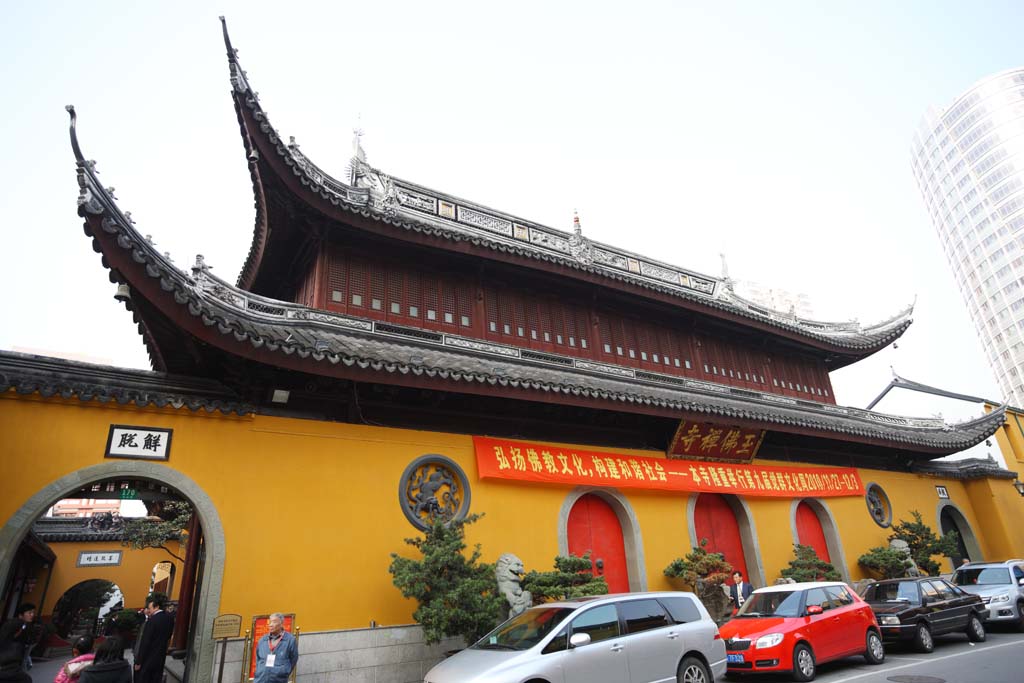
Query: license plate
x,y
734,659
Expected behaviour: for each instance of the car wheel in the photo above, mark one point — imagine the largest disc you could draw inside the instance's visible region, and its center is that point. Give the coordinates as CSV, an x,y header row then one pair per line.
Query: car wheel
x,y
875,651
692,670
1020,616
804,667
923,639
975,630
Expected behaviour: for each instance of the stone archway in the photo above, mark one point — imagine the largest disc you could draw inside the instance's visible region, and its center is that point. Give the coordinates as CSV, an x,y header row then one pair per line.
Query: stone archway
x,y
829,529
948,512
14,530
631,536
748,534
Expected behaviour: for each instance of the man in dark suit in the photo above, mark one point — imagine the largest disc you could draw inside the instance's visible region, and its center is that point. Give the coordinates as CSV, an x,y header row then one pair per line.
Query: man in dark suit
x,y
152,645
739,591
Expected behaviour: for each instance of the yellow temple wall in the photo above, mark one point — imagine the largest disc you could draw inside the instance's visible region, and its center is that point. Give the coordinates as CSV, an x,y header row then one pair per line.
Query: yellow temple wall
x,y
310,509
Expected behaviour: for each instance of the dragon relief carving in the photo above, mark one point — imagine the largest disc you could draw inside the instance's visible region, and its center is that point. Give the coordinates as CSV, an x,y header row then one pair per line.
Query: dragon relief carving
x,y
509,572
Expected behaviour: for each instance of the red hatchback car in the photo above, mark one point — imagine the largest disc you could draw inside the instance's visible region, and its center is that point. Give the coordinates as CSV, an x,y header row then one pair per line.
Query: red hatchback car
x,y
793,627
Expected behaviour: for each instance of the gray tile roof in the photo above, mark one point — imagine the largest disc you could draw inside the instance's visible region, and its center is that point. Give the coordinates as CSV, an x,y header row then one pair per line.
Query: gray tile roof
x,y
29,374
329,343
412,207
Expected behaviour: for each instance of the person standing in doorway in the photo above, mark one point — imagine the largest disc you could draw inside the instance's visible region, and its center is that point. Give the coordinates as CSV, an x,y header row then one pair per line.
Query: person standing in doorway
x,y
151,650
277,653
739,591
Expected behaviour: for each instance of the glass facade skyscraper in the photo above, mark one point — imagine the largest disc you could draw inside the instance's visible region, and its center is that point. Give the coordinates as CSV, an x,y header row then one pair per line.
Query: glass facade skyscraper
x,y
969,163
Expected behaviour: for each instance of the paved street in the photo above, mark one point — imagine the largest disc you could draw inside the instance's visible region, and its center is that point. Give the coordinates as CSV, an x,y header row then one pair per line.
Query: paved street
x,y
955,660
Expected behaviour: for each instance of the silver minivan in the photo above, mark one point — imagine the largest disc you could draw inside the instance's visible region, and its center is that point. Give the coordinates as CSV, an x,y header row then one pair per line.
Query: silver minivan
x,y
625,638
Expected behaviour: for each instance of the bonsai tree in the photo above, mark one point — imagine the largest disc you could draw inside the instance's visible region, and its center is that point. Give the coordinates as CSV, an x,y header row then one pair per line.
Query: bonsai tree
x,y
704,573
457,595
807,566
924,543
572,578
885,563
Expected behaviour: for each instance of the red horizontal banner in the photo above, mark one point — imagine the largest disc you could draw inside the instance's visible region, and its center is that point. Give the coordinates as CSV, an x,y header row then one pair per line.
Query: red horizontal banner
x,y
542,464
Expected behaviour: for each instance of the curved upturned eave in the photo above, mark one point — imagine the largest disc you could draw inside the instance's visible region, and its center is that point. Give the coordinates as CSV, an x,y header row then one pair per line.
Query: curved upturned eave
x,y
852,342
200,304
251,266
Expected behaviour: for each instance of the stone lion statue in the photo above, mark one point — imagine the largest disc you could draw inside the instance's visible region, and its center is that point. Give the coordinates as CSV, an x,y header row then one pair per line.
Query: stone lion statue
x,y
901,545
509,573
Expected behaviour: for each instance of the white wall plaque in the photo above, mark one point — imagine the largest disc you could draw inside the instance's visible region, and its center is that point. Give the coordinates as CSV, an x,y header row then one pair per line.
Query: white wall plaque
x,y
139,443
99,558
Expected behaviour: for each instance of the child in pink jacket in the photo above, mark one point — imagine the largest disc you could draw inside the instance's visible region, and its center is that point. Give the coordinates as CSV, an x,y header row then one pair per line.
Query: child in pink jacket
x,y
82,657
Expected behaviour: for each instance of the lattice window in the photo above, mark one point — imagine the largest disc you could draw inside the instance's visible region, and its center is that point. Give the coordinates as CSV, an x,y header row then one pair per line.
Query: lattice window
x,y
505,316
337,281
448,309
466,296
431,300
378,288
414,295
395,301
357,283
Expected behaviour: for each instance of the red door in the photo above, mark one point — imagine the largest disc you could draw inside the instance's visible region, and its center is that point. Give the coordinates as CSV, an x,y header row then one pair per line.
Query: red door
x,y
714,520
593,527
809,531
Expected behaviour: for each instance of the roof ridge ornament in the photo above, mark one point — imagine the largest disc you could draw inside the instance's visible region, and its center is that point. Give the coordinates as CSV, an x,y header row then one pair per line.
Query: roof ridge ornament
x,y
579,246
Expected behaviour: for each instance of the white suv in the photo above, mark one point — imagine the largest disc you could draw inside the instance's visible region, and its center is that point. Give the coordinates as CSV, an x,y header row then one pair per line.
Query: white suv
x,y
1000,585
625,638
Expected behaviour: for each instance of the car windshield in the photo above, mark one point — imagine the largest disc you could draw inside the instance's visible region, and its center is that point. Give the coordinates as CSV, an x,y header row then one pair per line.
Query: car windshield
x,y
525,630
982,576
904,591
771,604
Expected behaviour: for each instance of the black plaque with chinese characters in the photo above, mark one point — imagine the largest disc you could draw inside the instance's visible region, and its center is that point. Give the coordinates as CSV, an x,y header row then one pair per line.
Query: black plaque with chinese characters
x,y
138,443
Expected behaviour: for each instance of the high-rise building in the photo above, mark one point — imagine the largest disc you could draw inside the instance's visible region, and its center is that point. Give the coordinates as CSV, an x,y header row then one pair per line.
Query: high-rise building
x,y
968,159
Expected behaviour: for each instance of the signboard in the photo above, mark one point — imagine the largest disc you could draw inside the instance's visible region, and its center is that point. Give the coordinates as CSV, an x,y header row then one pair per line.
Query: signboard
x,y
715,442
941,490
138,443
227,626
260,628
99,558
539,463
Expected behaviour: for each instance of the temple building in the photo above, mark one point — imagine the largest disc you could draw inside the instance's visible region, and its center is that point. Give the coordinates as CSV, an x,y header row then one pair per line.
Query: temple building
x,y
390,352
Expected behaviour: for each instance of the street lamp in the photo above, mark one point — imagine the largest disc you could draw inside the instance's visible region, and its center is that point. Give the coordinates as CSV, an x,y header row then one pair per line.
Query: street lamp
x,y
1019,485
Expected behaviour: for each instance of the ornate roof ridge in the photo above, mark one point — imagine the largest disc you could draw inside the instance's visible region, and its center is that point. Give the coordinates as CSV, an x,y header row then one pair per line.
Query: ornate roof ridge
x,y
331,339
405,204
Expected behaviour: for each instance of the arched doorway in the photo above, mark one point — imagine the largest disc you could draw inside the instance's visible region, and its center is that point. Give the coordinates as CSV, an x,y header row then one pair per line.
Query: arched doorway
x,y
83,607
594,528
714,520
813,524
199,666
951,519
629,529
809,531
162,579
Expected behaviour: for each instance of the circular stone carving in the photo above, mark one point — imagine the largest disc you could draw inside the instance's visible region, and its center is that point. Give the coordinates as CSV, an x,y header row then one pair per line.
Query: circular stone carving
x,y
433,487
878,505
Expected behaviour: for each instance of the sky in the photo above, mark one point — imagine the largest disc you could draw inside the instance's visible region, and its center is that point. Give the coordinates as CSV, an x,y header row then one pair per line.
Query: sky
x,y
776,133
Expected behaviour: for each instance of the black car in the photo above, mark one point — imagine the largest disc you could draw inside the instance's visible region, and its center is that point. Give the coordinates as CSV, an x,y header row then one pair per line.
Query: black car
x,y
915,610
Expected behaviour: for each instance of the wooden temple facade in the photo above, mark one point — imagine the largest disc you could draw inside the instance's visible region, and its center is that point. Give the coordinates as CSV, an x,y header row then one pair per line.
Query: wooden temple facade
x,y
377,322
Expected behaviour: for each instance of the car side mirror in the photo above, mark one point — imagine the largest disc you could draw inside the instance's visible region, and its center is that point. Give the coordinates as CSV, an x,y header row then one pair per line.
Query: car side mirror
x,y
1021,582
924,601
579,639
814,609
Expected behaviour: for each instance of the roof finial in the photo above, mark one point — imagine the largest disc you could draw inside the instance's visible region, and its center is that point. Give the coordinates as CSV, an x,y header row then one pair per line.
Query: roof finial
x,y
725,266
357,140
576,222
